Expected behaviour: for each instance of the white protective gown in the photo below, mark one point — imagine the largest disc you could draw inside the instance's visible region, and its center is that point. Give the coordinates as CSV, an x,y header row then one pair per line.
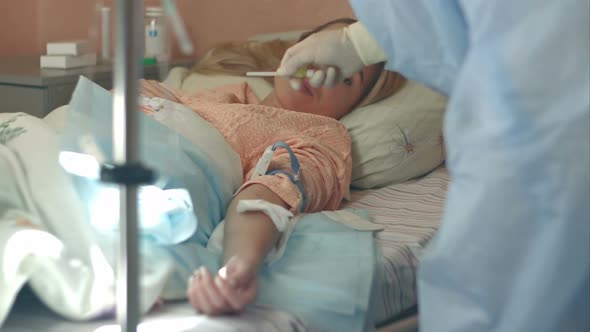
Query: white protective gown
x,y
512,253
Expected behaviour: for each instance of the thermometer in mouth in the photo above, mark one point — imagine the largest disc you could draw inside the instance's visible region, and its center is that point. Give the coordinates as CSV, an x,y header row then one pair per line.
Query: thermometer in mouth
x,y
301,73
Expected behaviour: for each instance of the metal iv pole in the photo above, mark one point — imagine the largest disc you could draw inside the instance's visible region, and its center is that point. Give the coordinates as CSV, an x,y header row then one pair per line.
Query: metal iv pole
x,y
127,171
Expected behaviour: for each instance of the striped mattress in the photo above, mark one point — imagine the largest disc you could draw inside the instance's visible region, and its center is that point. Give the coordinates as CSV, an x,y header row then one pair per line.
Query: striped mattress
x,y
409,213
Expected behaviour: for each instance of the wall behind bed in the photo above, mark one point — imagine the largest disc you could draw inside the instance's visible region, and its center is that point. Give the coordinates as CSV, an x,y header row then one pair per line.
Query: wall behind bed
x,y
27,25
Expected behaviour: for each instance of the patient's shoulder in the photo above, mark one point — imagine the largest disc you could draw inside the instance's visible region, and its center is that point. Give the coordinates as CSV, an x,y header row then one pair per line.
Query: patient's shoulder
x,y
239,93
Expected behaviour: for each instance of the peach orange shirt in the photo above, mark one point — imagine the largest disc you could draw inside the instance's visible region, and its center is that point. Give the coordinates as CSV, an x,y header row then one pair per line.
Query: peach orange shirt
x,y
322,145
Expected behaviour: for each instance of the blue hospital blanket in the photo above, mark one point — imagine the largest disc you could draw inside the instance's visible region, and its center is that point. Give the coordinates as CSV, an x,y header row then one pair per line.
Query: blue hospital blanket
x,y
185,151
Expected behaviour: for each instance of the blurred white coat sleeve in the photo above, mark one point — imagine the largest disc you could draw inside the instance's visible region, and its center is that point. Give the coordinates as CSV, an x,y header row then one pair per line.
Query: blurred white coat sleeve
x,y
512,250
365,45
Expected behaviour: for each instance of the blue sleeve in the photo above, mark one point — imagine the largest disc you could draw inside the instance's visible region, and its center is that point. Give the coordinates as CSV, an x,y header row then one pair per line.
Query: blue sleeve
x,y
425,40
512,250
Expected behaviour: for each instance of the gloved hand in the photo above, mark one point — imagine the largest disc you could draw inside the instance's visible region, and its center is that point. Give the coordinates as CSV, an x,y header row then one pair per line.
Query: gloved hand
x,y
332,50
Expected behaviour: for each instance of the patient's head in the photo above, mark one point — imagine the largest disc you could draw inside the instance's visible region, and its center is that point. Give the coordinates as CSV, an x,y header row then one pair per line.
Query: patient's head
x,y
334,102
337,101
365,87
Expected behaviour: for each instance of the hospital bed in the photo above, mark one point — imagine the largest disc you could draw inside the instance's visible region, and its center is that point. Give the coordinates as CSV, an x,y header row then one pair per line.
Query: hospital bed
x,y
408,212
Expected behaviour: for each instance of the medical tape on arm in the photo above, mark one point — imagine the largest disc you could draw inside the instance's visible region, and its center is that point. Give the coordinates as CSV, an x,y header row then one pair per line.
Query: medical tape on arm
x,y
280,217
264,162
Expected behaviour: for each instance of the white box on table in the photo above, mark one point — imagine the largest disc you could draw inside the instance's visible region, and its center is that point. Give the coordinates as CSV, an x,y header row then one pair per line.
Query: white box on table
x,y
68,61
72,47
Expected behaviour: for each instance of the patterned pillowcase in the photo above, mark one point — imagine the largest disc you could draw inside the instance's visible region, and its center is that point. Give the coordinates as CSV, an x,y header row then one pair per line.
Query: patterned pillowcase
x,y
398,138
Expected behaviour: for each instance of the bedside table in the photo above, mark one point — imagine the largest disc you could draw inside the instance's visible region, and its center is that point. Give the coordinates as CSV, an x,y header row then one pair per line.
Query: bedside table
x,y
25,87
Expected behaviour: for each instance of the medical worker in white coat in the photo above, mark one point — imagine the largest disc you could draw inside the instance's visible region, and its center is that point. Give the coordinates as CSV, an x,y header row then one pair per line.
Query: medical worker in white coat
x,y
512,252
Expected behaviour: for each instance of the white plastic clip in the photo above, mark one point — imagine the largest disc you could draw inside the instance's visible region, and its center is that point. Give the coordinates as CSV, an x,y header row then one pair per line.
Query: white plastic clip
x,y
263,163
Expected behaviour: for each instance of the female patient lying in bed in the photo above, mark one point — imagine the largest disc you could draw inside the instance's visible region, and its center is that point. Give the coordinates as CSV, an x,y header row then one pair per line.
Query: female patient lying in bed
x,y
301,282
307,121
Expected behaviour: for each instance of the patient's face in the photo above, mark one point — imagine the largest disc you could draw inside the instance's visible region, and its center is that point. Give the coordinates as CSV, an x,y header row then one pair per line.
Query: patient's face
x,y
334,102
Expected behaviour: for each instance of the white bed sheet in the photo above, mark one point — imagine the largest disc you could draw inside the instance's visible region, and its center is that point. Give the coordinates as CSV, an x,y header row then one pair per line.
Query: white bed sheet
x,y
30,315
409,213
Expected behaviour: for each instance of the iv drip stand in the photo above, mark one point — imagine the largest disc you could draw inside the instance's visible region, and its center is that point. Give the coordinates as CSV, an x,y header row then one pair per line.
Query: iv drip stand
x,y
127,171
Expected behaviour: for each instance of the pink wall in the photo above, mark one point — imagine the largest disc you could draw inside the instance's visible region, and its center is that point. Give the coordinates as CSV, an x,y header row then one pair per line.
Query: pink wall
x,y
224,20
27,25
18,27
65,20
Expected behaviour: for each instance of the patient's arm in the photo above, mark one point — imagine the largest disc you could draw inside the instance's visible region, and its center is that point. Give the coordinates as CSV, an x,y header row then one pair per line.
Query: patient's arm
x,y
250,235
248,238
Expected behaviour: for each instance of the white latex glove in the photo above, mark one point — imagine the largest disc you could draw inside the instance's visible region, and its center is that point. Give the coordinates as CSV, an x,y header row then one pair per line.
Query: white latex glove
x,y
327,49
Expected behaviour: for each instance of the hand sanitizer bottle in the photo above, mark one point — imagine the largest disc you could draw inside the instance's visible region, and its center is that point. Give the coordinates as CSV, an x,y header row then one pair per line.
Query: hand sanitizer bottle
x,y
156,46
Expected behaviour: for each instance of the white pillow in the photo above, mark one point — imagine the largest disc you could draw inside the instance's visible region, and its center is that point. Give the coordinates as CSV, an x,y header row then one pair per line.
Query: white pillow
x,y
393,140
397,138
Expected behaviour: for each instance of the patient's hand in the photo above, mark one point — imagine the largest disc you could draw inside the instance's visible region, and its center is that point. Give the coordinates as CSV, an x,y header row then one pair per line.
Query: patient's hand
x,y
229,292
